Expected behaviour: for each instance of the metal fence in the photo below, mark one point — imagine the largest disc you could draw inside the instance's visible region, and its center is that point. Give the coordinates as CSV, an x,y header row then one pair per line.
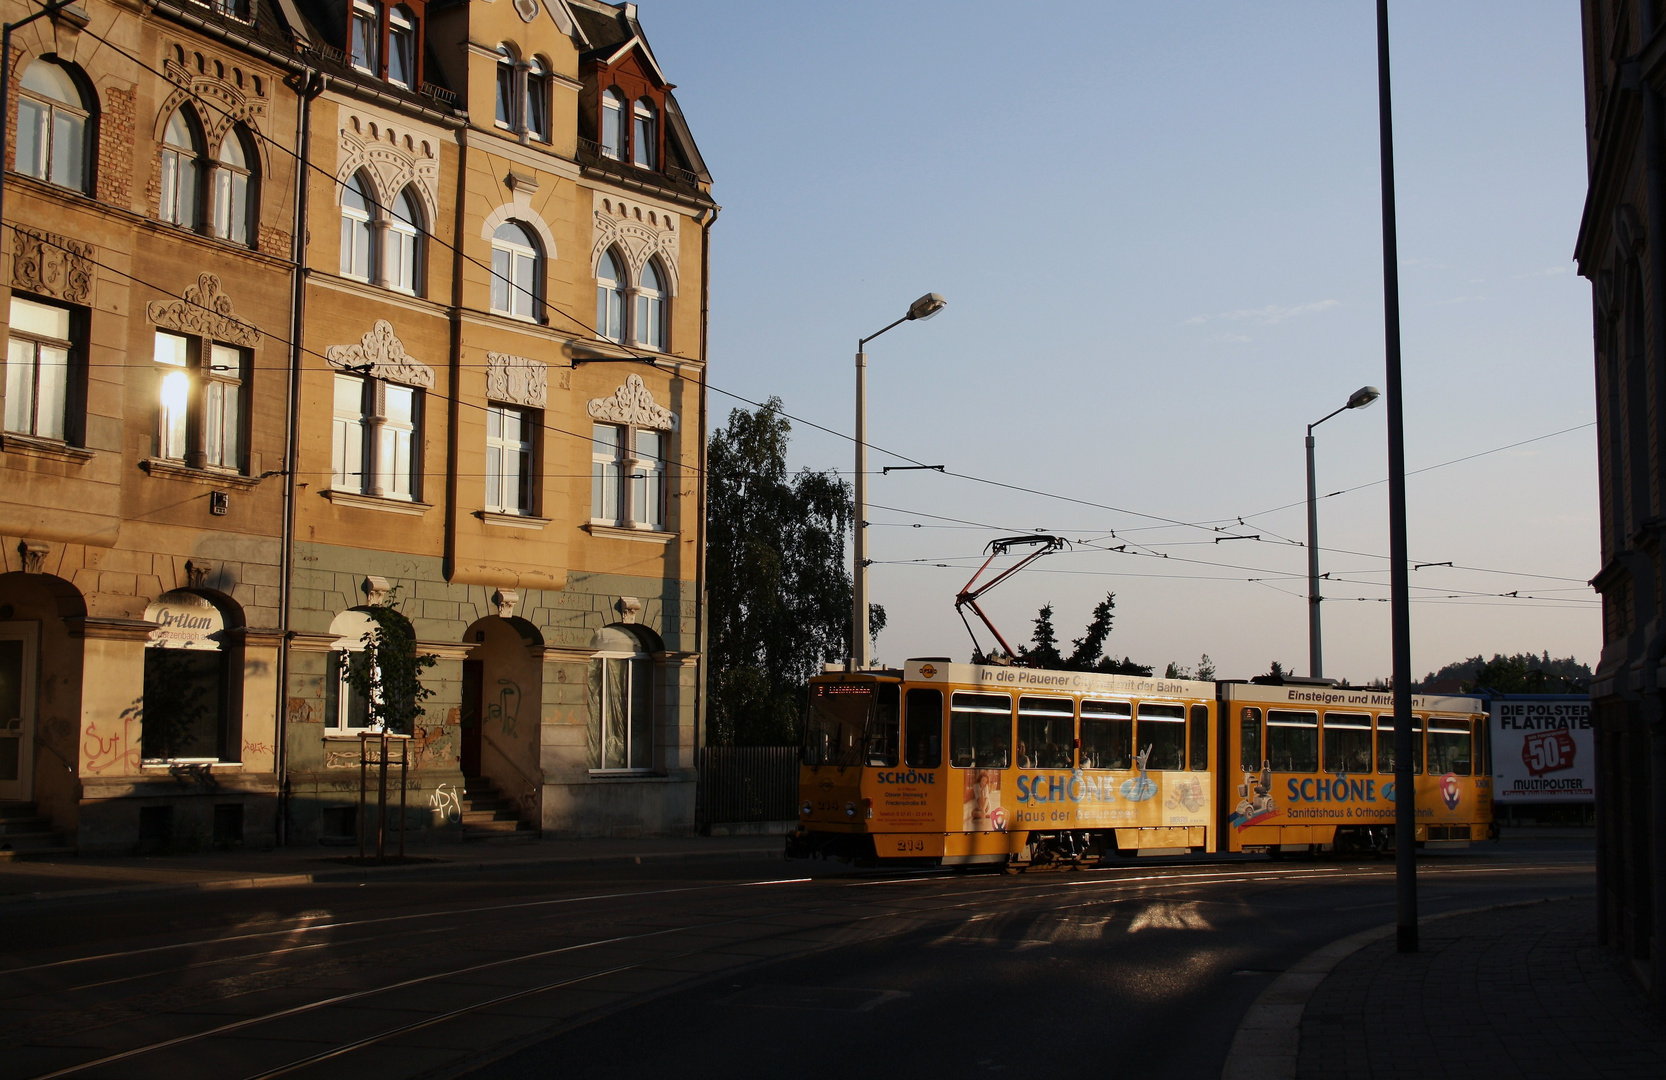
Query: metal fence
x,y
748,783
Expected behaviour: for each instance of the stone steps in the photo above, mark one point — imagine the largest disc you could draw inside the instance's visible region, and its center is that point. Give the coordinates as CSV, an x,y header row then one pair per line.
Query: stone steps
x,y
24,834
489,816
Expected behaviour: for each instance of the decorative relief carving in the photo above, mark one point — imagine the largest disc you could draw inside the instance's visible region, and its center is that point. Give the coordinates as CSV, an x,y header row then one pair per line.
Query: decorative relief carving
x,y
633,404
380,353
44,262
639,234
394,157
375,588
204,310
33,553
505,601
516,380
196,577
231,94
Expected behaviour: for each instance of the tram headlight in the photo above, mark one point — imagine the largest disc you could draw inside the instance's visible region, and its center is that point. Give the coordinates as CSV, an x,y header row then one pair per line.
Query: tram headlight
x,y
850,809
806,808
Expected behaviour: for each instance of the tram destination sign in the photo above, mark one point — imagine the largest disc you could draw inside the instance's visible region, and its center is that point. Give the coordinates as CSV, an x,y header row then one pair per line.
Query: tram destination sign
x,y
1543,750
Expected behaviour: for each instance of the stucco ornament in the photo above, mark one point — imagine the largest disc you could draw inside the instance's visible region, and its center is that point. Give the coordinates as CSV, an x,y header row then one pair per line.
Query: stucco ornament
x,y
380,353
204,311
633,404
516,380
52,265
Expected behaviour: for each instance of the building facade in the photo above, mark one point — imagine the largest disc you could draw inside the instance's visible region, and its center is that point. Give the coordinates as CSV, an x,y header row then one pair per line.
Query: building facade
x,y
435,348
1621,249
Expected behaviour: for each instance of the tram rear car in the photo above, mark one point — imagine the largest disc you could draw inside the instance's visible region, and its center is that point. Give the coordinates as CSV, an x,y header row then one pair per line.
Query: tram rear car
x,y
1307,767
960,764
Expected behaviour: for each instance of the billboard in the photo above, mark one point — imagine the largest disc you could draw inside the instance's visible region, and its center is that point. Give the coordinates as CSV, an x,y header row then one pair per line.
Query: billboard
x,y
1543,749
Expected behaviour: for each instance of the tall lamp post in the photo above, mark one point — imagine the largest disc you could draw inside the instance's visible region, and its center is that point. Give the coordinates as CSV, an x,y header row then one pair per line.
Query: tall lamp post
x,y
1360,398
923,308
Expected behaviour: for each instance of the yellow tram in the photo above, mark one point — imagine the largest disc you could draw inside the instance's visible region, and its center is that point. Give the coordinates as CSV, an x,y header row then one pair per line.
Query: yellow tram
x,y
957,764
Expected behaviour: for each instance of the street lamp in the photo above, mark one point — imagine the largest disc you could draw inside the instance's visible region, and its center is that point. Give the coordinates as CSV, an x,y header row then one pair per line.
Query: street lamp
x,y
923,308
1360,398
76,17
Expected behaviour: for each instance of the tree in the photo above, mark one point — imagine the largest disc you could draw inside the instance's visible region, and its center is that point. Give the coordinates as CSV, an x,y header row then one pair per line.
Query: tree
x,y
1206,668
387,672
1086,651
1521,673
777,588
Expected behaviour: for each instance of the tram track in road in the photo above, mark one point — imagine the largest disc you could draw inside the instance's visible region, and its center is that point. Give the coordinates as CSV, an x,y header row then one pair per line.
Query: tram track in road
x,y
947,897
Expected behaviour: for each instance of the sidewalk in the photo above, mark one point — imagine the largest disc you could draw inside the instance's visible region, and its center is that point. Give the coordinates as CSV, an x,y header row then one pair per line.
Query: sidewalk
x,y
1519,991
76,878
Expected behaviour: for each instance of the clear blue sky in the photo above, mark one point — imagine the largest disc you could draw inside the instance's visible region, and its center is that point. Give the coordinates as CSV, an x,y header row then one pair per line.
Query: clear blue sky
x,y
1157,228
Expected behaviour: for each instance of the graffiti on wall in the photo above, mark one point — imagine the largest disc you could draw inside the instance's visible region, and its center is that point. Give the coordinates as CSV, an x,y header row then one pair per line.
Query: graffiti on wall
x,y
445,802
110,746
507,708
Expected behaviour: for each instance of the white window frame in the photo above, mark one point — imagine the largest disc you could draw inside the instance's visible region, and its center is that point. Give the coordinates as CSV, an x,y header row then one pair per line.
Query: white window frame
x,y
644,134
51,116
639,673
360,13
341,651
181,198
505,89
195,401
390,446
23,380
613,123
648,323
402,42
647,504
521,286
641,492
234,184
503,485
612,309
535,100
403,260
358,223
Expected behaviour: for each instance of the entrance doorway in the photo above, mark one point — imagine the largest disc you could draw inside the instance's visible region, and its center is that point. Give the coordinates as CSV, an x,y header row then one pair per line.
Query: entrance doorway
x,y
468,751
17,710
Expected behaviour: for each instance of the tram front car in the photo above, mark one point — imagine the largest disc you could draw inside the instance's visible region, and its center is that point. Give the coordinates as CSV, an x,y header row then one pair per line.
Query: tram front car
x,y
958,764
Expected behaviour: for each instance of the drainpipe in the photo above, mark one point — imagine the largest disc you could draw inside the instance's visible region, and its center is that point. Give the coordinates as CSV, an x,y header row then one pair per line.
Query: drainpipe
x,y
1654,160
308,86
708,218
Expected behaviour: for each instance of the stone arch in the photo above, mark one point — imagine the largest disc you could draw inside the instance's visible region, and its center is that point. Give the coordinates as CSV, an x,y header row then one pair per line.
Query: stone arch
x,y
500,732
520,209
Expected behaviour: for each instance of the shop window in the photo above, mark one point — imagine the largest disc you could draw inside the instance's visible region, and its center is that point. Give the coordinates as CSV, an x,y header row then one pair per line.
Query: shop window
x,y
923,729
1107,735
53,125
621,704
1046,730
509,458
1161,735
42,352
188,712
980,731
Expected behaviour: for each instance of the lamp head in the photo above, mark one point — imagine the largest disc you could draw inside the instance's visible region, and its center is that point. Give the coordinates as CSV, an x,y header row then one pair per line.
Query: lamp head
x,y
1364,396
926,306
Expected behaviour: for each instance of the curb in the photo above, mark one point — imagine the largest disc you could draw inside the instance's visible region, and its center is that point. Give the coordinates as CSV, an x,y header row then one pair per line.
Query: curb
x,y
1267,1044
323,877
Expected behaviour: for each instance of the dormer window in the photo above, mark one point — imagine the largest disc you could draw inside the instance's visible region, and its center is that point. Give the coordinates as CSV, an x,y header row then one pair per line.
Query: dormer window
x,y
401,46
613,125
523,95
535,98
366,35
644,135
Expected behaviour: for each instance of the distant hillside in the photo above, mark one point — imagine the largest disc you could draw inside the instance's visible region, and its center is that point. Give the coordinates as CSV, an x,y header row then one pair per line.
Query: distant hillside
x,y
1522,673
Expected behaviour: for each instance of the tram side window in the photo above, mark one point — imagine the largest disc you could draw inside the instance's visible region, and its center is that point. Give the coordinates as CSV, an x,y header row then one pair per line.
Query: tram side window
x,y
1249,740
1347,743
883,728
1385,744
980,731
923,729
1107,735
1162,736
837,718
1449,746
1293,741
1045,733
1200,738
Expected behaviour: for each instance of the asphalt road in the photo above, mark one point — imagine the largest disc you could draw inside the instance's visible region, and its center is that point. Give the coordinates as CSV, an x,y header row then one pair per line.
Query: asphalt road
x,y
754,968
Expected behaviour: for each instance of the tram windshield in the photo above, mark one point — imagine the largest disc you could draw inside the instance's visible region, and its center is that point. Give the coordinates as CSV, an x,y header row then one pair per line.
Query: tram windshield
x,y
836,722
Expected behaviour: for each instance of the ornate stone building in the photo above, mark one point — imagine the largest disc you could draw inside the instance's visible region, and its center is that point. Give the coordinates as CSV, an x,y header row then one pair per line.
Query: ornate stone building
x,y
1622,250
469,386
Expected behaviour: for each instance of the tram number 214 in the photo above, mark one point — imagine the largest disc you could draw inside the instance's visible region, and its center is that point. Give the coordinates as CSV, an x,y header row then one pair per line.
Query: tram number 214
x,y
908,845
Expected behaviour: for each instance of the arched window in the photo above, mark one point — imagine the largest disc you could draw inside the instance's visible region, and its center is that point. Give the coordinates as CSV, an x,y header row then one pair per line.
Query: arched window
x,y
346,709
366,36
402,46
235,200
650,308
613,125
517,277
610,298
52,126
405,244
357,252
188,692
644,137
535,109
621,696
505,87
181,169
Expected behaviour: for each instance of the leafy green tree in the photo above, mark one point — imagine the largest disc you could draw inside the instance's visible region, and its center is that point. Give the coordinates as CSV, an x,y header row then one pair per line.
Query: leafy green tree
x,y
387,672
778,590
1087,651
